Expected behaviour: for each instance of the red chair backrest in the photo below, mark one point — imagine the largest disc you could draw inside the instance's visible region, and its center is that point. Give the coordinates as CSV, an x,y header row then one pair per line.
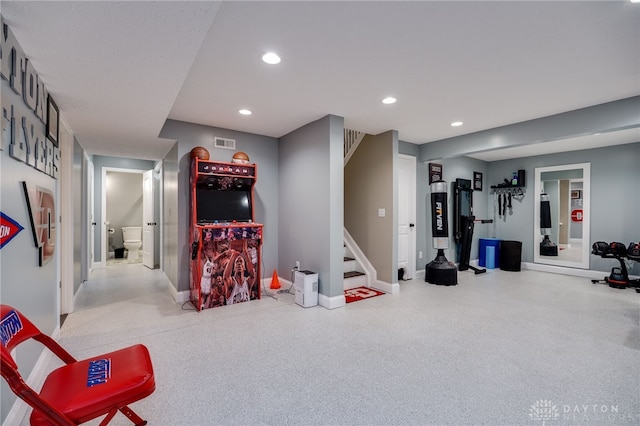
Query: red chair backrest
x,y
14,329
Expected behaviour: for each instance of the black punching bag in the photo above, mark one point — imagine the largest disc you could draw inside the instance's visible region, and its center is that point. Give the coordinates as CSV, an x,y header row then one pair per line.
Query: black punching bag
x,y
547,247
440,271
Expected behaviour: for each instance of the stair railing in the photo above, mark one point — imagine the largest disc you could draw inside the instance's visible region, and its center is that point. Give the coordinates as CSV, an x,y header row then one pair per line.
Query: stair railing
x,y
352,139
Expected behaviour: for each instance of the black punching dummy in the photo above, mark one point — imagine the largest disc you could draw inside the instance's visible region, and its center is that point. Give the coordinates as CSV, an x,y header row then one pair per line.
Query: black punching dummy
x,y
440,270
547,247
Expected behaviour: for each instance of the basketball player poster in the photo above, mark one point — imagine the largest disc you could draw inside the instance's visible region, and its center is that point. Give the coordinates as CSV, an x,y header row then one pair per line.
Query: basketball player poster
x,y
227,268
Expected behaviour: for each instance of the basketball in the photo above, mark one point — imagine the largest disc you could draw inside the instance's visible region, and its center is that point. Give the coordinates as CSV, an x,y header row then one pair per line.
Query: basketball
x,y
240,157
200,152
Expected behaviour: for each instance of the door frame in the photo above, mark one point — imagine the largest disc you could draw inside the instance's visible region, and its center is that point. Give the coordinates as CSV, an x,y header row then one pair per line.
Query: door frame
x,y
66,239
149,174
91,228
411,273
103,217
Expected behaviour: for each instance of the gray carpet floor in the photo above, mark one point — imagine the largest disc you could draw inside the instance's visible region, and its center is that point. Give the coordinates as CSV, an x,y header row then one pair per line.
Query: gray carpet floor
x,y
501,348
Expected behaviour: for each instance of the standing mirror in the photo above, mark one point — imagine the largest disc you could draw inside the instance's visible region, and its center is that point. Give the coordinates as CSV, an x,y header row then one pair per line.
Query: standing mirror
x,y
562,205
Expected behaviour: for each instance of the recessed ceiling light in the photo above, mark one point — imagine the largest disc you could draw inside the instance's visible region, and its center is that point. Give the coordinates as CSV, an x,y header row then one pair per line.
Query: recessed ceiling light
x,y
245,111
271,58
635,1
456,124
389,100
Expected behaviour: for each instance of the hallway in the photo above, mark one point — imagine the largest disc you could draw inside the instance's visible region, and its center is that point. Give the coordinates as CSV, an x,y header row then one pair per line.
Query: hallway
x,y
483,352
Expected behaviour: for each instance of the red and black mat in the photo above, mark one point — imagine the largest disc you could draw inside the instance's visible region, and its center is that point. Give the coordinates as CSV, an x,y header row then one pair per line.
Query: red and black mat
x,y
360,293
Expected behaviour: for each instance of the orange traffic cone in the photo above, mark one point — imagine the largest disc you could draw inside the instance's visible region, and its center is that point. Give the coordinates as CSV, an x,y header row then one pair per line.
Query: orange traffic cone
x,y
275,282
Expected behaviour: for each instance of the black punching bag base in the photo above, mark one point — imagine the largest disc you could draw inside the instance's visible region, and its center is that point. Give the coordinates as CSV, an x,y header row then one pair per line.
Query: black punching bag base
x,y
440,271
548,248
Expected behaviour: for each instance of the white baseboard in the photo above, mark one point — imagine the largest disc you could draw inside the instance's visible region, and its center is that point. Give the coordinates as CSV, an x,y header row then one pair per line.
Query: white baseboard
x,y
392,288
584,273
99,265
332,302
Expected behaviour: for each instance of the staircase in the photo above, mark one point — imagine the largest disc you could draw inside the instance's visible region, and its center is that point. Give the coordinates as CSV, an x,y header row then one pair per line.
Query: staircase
x,y
354,272
354,275
352,139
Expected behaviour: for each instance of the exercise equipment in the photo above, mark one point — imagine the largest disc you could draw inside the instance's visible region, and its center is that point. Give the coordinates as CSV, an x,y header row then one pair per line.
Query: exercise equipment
x,y
440,271
547,247
619,276
505,192
464,222
78,391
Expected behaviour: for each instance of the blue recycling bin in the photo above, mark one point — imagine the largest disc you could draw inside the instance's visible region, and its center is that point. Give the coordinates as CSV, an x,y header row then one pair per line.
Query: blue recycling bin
x,y
482,255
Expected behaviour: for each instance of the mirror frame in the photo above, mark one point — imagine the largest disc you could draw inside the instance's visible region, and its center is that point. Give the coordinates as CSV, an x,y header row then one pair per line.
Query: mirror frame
x,y
586,220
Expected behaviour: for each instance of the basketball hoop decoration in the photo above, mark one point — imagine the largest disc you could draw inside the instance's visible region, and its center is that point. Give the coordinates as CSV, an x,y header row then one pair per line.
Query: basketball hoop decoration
x,y
200,152
240,158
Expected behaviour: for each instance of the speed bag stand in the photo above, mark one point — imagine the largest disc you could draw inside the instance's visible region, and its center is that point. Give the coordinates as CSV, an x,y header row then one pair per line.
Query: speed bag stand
x,y
440,271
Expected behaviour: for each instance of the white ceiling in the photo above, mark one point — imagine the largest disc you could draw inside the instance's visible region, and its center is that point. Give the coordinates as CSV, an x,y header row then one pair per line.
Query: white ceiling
x,y
118,70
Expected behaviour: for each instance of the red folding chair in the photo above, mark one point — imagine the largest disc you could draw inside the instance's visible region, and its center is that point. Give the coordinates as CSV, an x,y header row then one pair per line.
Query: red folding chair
x,y
78,391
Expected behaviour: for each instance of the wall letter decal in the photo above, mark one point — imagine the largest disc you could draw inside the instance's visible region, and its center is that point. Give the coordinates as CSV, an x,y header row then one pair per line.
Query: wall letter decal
x,y
18,147
7,126
5,51
30,86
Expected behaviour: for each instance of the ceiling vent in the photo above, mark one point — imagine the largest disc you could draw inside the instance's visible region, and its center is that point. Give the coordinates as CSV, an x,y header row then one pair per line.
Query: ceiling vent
x,y
224,143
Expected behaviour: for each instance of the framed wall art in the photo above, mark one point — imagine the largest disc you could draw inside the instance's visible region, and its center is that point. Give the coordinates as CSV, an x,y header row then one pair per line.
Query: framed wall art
x,y
53,121
435,172
477,181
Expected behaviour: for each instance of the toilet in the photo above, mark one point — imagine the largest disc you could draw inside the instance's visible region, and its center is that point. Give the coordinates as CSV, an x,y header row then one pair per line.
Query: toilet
x,y
132,237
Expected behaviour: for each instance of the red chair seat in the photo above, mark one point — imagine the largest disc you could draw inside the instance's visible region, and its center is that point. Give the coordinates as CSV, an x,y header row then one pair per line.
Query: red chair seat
x,y
90,388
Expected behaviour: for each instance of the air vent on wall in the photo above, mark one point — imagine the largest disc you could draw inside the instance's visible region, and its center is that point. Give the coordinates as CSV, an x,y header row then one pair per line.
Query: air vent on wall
x,y
224,143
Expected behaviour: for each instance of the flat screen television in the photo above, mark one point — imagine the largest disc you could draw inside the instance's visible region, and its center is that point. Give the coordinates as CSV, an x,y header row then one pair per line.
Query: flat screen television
x,y
223,206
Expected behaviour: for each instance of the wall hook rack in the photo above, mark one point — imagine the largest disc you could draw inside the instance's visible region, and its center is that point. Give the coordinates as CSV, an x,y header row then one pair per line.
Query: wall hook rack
x,y
516,191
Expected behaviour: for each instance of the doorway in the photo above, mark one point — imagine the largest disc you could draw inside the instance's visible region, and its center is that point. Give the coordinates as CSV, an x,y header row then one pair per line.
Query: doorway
x,y
123,205
407,215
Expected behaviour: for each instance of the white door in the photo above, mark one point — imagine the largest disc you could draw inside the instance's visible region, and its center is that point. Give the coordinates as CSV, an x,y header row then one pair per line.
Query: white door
x,y
407,214
92,218
148,221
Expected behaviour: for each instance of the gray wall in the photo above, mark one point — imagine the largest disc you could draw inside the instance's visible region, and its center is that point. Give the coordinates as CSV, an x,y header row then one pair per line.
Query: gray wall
x,y
614,177
615,197
452,169
370,185
99,162
616,167
30,288
262,150
311,187
170,250
78,201
616,115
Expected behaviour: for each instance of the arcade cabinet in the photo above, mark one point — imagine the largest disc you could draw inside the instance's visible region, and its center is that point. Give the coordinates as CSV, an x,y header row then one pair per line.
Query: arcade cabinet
x,y
225,241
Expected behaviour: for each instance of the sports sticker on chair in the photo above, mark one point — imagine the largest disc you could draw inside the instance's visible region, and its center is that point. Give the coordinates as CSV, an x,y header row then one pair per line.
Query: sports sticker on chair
x,y
9,228
42,213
